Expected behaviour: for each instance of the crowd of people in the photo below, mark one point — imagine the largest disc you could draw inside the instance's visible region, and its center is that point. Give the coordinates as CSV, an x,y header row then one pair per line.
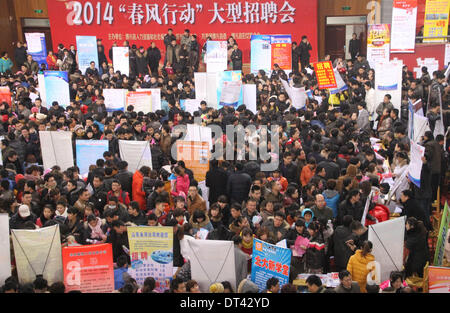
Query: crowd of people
x,y
327,165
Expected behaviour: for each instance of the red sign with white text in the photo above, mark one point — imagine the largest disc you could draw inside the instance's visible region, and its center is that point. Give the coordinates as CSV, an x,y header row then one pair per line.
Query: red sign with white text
x,y
144,21
325,75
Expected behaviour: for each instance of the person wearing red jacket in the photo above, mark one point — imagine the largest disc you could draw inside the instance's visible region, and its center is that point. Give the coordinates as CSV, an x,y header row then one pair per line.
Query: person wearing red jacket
x,y
116,190
138,192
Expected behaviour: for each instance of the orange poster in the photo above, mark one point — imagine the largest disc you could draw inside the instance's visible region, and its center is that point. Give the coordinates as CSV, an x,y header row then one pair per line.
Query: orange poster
x,y
438,279
195,155
89,268
282,55
325,75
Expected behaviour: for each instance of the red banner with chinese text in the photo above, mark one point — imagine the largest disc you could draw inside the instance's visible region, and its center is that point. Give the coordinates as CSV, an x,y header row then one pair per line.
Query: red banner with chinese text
x,y
325,75
281,55
89,268
143,21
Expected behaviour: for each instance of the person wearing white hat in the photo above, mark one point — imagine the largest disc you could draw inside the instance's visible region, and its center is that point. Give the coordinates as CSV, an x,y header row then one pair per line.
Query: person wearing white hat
x,y
22,216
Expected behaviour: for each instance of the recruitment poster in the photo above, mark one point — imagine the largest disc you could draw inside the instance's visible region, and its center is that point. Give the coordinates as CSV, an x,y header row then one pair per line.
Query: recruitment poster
x,y
415,165
438,279
216,56
115,99
378,41
325,75
5,95
87,52
37,47
151,251
196,155
404,16
231,92
261,53
136,153
281,51
227,76
121,60
57,149
88,152
88,269
436,20
57,88
389,81
38,252
443,228
269,261
341,85
141,101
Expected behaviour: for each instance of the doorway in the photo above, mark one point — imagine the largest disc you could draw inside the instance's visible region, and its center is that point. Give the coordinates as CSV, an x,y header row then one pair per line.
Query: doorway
x,y
335,41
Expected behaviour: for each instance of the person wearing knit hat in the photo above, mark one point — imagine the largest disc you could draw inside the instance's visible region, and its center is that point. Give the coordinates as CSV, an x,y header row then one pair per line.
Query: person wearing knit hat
x,y
216,288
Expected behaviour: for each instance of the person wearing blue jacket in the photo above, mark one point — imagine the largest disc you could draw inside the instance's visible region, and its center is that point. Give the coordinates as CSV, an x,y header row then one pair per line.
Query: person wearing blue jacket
x,y
5,63
332,196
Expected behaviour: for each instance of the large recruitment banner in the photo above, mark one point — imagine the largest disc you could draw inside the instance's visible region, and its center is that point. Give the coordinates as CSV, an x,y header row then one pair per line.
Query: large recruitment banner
x,y
37,47
378,41
57,88
404,16
143,21
89,269
141,101
436,20
88,152
269,261
151,250
87,52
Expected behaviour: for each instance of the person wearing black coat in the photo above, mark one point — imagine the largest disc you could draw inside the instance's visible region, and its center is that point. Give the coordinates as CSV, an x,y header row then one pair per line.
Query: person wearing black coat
x,y
342,251
101,53
141,61
20,54
412,208
118,237
125,177
236,58
154,56
22,216
216,180
423,193
304,49
416,241
238,185
99,196
295,57
351,206
354,46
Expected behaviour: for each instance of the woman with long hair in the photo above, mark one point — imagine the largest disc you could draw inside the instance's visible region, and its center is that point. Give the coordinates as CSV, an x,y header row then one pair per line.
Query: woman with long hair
x,y
358,264
416,244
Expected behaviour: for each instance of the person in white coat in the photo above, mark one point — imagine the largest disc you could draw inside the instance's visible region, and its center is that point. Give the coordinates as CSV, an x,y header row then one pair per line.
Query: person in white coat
x,y
370,101
400,164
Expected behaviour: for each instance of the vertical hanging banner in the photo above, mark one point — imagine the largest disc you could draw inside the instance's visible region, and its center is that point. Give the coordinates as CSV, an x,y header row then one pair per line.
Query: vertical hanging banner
x,y
438,279
378,41
115,99
404,16
37,47
56,147
415,166
38,252
121,60
5,95
57,88
5,252
196,155
436,20
281,51
151,251
88,152
216,56
389,81
443,228
89,269
87,52
269,261
260,54
141,101
325,75
136,153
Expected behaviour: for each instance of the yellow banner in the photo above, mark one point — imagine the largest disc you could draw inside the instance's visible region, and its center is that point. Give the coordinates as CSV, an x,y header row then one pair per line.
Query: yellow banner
x,y
436,20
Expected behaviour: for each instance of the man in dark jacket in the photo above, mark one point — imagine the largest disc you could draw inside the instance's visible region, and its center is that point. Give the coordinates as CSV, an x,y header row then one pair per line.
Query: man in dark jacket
x,y
135,215
354,46
101,53
433,148
236,58
169,37
351,206
99,196
304,49
295,57
332,169
141,61
118,237
238,185
92,70
288,169
22,216
216,181
342,251
154,56
124,176
20,54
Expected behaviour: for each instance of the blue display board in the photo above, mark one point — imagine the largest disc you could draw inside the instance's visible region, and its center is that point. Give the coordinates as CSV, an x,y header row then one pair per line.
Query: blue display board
x,y
57,88
88,152
87,52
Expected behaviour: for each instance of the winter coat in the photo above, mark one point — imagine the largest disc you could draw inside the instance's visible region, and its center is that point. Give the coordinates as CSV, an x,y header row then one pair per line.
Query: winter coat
x,y
169,54
304,49
353,289
99,198
118,240
331,168
412,208
283,229
138,192
357,266
347,208
216,181
240,263
306,175
417,244
153,56
326,213
342,252
33,66
142,62
126,179
196,204
434,149
315,253
238,186
274,198
17,222
138,220
351,173
206,224
20,56
5,64
332,200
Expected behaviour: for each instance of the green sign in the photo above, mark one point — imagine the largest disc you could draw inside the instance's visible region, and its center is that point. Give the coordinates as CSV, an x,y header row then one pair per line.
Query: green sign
x,y
439,253
346,8
38,11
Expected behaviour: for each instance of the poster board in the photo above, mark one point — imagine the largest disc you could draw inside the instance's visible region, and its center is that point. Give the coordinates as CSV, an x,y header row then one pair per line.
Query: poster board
x,y
115,99
136,153
440,245
378,44
260,53
87,52
89,268
42,94
38,252
389,81
57,149
438,279
37,47
436,20
404,17
249,97
216,56
121,60
325,75
57,88
281,51
141,101
5,254
88,152
415,164
151,252
196,155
